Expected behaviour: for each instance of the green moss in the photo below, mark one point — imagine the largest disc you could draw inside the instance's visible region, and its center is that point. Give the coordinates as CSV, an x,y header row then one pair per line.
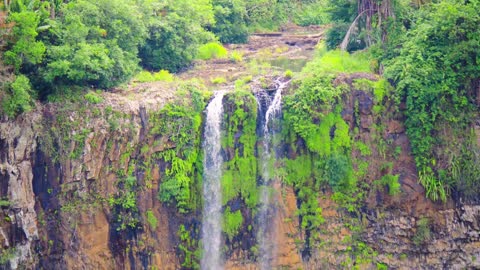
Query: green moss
x,y
6,255
188,248
299,170
390,182
181,124
151,219
240,172
365,151
124,204
232,222
423,232
313,115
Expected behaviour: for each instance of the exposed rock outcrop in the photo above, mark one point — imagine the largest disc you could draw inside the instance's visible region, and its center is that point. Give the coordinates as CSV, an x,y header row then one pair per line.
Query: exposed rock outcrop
x,y
63,170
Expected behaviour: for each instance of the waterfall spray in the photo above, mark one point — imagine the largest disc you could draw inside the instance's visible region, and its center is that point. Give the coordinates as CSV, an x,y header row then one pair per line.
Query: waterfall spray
x,y
212,163
266,230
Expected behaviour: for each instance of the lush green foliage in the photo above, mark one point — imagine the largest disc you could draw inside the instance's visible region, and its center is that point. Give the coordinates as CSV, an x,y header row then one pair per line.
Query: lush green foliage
x,y
271,14
95,43
176,34
64,46
181,123
434,72
313,115
25,49
19,97
231,21
124,203
311,12
232,222
240,173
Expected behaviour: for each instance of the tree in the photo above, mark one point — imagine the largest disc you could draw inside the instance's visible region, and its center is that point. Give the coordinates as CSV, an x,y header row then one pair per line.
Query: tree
x,y
24,48
95,43
230,16
374,14
176,29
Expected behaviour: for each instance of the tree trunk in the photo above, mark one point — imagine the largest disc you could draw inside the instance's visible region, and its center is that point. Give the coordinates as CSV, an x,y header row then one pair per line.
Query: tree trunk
x,y
344,44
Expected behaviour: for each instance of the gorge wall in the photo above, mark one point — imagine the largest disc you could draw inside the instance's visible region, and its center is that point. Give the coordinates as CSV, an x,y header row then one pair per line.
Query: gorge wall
x,y
118,185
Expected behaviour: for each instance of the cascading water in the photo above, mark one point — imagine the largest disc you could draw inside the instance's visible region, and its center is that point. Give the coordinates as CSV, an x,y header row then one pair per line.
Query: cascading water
x,y
266,230
212,164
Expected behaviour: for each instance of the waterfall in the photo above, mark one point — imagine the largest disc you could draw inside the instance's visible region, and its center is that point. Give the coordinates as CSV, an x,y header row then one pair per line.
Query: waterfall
x,y
266,228
212,164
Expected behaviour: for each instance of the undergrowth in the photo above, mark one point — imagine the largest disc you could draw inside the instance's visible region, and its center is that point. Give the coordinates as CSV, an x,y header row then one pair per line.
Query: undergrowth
x,y
181,124
240,173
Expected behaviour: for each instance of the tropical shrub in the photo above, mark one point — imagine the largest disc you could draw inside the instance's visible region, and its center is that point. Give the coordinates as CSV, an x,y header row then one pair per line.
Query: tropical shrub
x,y
18,98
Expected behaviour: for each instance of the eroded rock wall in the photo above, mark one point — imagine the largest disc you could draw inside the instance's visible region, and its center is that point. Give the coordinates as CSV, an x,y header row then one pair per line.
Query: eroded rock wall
x,y
66,205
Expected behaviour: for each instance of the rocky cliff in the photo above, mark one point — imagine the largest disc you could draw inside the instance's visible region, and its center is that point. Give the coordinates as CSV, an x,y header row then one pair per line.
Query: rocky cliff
x,y
116,185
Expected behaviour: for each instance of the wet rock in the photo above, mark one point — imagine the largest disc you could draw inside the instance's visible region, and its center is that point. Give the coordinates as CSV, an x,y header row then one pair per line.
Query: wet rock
x,y
395,127
366,121
365,103
471,215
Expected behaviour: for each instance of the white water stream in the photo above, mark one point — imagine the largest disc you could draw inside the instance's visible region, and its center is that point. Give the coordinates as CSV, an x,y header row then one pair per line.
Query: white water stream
x,y
212,164
266,230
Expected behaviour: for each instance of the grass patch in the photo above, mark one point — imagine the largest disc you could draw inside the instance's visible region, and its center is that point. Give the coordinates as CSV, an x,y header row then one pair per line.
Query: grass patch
x,y
160,76
93,98
236,57
211,50
337,61
218,80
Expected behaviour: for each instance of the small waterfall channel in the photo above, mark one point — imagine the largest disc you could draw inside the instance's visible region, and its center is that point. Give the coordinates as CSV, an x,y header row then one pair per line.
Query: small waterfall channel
x,y
270,109
212,163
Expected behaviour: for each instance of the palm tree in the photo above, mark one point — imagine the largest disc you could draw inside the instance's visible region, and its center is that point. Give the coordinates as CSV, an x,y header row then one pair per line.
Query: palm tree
x,y
367,10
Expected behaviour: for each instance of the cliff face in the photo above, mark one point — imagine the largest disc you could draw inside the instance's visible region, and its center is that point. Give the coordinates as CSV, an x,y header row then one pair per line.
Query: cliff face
x,y
60,173
94,187
19,228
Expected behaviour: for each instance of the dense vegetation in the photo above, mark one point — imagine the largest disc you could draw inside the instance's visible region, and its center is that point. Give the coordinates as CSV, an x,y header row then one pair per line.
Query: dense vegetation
x,y
436,72
59,47
428,49
425,53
